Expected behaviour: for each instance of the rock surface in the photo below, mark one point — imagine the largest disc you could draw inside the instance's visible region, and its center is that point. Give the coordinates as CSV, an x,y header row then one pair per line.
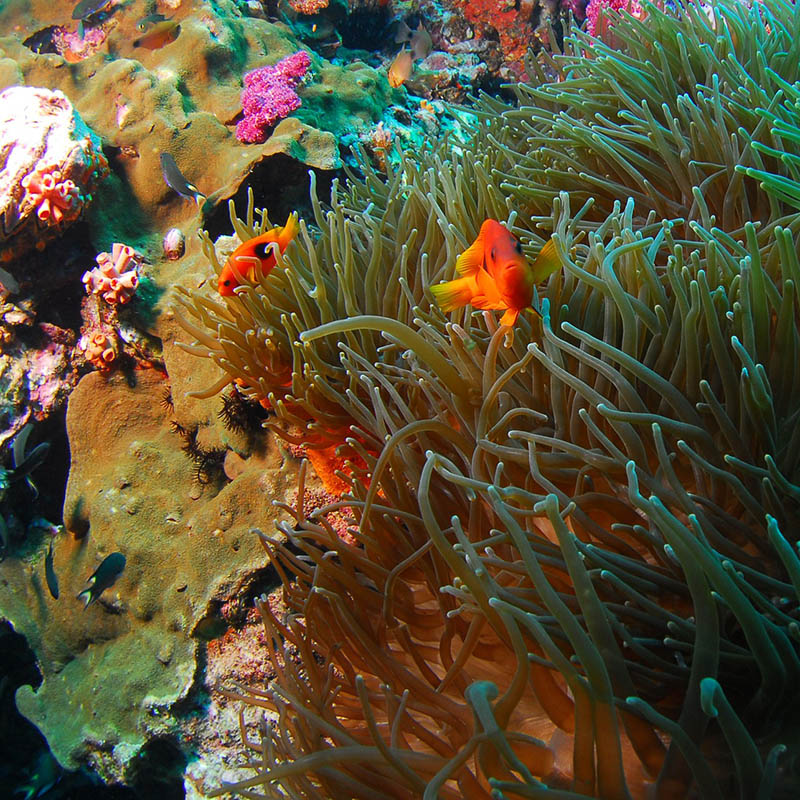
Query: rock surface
x,y
114,672
50,163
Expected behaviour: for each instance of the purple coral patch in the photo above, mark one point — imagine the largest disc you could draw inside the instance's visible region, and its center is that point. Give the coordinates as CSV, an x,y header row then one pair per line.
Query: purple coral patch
x,y
269,96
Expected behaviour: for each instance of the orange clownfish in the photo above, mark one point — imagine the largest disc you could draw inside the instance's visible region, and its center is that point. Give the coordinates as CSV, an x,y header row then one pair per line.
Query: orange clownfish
x,y
495,274
254,258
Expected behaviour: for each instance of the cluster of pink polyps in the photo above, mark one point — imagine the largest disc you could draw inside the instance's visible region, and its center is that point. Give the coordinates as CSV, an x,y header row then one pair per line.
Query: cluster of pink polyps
x,y
116,275
100,350
53,198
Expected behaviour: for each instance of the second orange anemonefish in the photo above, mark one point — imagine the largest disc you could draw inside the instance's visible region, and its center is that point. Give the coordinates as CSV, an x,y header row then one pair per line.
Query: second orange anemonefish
x,y
254,258
495,274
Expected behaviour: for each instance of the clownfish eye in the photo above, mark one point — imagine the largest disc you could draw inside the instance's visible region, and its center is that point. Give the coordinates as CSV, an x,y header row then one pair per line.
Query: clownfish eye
x,y
518,247
260,250
493,254
226,283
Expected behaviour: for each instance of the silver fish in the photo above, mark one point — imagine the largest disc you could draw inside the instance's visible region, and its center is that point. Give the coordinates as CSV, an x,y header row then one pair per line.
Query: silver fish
x,y
177,181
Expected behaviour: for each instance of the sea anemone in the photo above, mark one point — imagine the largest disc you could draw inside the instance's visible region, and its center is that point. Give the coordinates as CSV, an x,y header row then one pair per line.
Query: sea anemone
x,y
575,570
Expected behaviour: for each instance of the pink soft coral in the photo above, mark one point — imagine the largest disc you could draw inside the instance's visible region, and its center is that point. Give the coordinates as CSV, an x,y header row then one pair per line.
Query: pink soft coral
x,y
597,21
269,95
116,275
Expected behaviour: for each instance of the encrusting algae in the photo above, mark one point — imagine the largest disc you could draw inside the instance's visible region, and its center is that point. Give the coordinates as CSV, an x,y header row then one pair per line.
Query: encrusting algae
x,y
575,570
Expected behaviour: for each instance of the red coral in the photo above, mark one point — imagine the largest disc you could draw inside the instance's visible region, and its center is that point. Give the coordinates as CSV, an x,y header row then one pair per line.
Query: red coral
x,y
513,27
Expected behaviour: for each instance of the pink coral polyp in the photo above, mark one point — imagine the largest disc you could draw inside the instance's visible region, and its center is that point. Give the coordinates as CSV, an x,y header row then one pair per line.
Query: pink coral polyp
x,y
116,275
54,199
99,350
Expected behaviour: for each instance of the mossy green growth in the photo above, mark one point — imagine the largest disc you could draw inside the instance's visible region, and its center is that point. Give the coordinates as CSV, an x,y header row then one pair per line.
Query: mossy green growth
x,y
344,99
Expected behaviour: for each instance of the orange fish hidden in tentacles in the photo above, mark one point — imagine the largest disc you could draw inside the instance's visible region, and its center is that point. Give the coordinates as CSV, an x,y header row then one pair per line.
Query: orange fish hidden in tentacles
x,y
254,258
495,274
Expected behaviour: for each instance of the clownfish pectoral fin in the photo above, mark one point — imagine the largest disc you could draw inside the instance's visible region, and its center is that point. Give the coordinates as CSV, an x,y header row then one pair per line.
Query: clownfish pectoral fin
x,y
453,294
547,262
510,317
484,302
471,260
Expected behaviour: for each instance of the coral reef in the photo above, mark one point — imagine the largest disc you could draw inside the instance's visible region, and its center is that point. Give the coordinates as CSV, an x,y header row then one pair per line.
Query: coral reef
x,y
99,349
308,6
597,17
560,564
52,163
36,370
576,571
183,99
74,46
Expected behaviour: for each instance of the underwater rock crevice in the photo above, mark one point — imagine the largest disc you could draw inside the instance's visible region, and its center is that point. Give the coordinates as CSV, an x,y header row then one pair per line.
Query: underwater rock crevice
x,y
278,170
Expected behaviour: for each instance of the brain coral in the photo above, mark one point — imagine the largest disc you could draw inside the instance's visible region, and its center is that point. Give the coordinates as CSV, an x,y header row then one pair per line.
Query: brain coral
x,y
51,164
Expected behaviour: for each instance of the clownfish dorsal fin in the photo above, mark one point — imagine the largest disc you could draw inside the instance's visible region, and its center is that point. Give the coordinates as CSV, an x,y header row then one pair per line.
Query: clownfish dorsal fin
x,y
288,231
471,260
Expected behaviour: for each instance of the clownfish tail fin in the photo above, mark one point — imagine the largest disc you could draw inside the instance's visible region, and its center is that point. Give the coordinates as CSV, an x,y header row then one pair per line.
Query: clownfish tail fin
x,y
453,294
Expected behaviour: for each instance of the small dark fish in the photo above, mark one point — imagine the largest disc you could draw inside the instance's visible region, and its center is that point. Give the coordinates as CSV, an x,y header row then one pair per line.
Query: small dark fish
x,y
50,572
86,8
43,776
420,39
42,40
403,32
421,42
27,462
104,577
176,180
151,19
160,34
8,281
